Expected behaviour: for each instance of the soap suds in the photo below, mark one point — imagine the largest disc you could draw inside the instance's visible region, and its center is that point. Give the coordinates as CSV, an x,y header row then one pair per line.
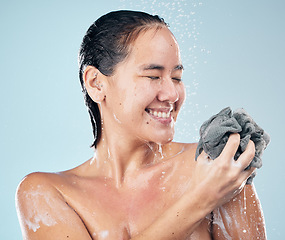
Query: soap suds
x,y
218,220
34,222
104,234
41,204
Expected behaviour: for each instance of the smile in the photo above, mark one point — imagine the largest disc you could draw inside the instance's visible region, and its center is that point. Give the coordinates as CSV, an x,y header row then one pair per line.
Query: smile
x,y
163,115
159,114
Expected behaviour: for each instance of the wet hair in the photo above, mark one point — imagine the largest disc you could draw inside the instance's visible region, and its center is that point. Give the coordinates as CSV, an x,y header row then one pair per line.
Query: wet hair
x,y
106,43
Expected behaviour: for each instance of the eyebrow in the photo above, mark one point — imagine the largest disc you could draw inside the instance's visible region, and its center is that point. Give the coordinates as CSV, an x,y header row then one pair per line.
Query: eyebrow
x,y
159,67
179,67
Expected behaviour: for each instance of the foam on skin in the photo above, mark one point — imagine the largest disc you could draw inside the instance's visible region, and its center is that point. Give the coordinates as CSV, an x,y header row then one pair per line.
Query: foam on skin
x,y
40,204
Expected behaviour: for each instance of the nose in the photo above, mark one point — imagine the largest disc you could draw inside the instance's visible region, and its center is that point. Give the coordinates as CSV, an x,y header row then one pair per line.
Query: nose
x,y
168,91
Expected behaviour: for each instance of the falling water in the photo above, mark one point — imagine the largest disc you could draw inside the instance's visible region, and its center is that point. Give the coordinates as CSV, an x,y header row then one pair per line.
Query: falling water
x,y
185,23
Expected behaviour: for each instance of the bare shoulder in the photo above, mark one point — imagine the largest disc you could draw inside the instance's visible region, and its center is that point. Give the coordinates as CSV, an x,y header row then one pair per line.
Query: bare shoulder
x,y
34,179
34,185
240,218
181,157
37,184
182,150
43,212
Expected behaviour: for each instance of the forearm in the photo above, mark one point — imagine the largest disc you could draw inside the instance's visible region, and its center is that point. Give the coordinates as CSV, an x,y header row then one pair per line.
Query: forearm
x,y
178,221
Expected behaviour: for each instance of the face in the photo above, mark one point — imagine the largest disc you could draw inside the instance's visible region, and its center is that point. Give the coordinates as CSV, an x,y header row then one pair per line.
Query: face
x,y
145,94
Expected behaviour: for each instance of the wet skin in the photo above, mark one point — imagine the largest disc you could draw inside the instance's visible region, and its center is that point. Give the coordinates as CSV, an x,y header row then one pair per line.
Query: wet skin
x,y
96,206
123,212
131,182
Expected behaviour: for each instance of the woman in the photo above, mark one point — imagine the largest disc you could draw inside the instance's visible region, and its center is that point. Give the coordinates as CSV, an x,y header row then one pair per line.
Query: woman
x,y
140,184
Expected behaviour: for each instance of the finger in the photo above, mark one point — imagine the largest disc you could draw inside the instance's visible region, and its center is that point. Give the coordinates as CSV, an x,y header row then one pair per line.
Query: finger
x,y
203,156
247,173
247,156
243,179
231,146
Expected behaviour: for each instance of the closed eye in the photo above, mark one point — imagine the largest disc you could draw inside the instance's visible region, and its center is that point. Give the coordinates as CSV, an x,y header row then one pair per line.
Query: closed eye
x,y
153,77
177,79
156,78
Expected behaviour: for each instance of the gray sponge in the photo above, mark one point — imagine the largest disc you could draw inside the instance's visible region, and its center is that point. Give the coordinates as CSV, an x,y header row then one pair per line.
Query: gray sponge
x,y
214,134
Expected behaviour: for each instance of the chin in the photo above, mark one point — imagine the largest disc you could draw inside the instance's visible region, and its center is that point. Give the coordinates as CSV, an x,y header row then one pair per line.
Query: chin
x,y
164,139
165,142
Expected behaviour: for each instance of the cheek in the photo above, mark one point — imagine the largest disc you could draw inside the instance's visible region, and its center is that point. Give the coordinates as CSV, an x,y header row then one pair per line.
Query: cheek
x,y
132,105
144,94
182,94
123,98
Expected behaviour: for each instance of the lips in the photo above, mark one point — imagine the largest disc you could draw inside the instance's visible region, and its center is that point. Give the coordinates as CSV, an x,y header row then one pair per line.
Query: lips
x,y
159,114
162,115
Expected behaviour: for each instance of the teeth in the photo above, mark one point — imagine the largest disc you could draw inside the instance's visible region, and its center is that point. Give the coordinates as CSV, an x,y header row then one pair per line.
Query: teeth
x,y
159,114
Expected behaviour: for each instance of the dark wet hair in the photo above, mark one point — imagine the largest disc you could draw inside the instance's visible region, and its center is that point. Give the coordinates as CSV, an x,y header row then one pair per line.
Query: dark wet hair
x,y
107,43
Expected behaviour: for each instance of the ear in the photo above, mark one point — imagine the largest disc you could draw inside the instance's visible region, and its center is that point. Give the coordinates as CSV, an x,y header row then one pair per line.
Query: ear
x,y
93,80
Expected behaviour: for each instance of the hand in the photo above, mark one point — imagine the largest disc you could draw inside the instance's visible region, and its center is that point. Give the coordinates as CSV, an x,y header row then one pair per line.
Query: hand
x,y
219,180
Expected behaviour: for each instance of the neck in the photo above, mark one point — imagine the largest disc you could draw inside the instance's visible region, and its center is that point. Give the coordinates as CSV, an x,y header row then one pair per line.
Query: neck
x,y
117,156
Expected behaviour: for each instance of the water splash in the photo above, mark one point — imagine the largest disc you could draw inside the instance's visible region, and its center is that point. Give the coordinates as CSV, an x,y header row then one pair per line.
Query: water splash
x,y
185,23
160,151
117,120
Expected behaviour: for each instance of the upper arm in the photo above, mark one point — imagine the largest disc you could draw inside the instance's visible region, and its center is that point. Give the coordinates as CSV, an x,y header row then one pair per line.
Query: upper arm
x,y
43,212
241,218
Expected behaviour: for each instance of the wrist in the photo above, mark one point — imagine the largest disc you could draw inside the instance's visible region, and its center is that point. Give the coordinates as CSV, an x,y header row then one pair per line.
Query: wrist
x,y
201,201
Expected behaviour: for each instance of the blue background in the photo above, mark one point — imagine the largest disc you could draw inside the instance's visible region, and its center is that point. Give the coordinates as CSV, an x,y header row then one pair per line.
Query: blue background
x,y
233,53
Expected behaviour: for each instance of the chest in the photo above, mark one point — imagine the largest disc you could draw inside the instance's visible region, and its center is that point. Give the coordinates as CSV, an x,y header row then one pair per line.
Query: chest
x,y
108,211
121,218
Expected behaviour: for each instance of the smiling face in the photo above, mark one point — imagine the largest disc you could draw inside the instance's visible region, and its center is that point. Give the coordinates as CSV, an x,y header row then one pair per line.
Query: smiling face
x,y
145,94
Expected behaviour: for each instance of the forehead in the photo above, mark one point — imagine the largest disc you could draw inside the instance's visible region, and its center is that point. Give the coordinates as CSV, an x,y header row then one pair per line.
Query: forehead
x,y
155,46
